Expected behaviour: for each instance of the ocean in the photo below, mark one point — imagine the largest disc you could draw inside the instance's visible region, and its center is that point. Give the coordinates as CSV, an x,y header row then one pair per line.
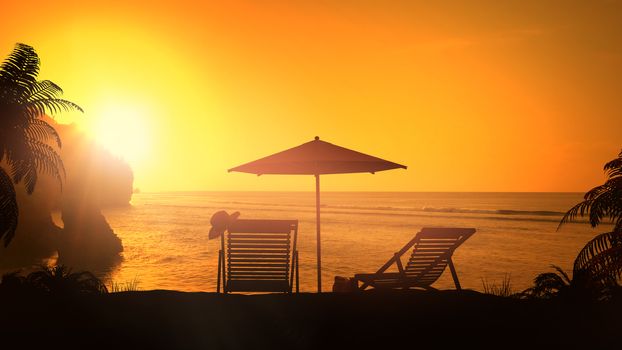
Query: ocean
x,y
166,246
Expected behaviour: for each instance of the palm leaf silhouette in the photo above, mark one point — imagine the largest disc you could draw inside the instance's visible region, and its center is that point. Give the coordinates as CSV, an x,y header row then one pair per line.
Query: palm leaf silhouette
x,y
20,70
548,284
26,140
599,244
8,208
601,258
39,129
599,264
604,201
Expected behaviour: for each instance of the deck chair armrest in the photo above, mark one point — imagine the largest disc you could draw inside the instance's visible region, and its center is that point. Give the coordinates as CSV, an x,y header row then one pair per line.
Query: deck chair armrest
x,y
370,279
370,276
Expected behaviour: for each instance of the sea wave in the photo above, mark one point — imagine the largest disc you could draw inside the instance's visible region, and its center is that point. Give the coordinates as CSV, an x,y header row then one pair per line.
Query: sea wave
x,y
456,210
495,211
441,212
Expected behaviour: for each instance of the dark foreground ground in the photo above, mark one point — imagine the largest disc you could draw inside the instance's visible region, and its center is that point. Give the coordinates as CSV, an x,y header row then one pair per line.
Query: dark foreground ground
x,y
400,320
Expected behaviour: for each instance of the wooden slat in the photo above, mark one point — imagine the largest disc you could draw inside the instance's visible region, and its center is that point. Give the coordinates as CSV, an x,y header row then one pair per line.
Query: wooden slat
x,y
270,260
437,242
250,272
258,273
258,259
259,256
431,275
233,245
248,276
259,264
428,273
263,251
262,226
258,236
434,247
259,277
258,269
428,256
427,253
255,277
426,262
260,241
425,266
436,232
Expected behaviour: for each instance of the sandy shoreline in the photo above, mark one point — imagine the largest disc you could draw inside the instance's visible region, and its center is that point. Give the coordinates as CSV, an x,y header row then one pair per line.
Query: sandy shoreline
x,y
175,320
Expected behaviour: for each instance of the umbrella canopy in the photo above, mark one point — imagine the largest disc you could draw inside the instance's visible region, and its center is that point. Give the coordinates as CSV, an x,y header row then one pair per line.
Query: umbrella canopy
x,y
317,158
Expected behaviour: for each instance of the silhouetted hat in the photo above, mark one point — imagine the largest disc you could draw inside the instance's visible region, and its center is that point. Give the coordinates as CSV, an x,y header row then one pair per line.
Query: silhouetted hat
x,y
220,222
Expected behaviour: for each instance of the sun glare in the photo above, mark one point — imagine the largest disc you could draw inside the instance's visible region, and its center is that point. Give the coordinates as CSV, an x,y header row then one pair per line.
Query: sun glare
x,y
124,131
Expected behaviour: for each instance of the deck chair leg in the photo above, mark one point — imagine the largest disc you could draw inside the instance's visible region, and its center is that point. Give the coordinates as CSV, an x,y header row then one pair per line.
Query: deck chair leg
x,y
219,271
454,275
297,279
224,277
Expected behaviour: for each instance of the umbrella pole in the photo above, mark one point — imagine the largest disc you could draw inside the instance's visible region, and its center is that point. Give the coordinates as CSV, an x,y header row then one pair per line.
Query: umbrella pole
x,y
317,225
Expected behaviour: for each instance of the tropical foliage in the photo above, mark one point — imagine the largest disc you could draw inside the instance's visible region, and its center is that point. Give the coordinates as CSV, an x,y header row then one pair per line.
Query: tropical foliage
x,y
604,201
598,267
58,280
559,284
28,143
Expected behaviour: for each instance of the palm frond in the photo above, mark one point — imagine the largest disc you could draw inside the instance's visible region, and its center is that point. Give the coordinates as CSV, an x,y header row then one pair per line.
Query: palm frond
x,y
9,211
26,171
39,107
562,274
574,212
21,162
594,247
597,204
547,284
20,70
41,130
606,267
28,156
604,201
45,89
48,161
614,167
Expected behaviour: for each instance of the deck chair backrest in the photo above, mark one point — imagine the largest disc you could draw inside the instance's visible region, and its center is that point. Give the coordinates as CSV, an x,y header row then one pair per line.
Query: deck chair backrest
x,y
432,251
259,255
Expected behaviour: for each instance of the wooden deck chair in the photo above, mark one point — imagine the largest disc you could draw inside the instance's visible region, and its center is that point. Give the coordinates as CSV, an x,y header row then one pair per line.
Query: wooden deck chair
x,y
432,249
259,256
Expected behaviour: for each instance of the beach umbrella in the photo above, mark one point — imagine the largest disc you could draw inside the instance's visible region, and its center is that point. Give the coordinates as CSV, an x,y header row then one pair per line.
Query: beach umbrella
x,y
317,158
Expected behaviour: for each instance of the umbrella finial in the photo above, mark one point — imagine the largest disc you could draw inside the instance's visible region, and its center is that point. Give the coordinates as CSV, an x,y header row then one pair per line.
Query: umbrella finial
x,y
317,138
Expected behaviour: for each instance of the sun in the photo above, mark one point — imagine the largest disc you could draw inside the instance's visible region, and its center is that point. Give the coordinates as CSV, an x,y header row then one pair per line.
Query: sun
x,y
123,129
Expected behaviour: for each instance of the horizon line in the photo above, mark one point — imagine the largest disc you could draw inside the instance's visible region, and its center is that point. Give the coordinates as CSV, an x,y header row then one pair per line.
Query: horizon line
x,y
347,191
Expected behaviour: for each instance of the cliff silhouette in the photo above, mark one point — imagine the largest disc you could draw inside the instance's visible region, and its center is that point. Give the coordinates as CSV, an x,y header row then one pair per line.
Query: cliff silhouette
x,y
79,235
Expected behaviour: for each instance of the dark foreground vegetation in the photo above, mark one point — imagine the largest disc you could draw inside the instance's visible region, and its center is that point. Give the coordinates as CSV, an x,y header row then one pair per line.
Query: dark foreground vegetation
x,y
408,319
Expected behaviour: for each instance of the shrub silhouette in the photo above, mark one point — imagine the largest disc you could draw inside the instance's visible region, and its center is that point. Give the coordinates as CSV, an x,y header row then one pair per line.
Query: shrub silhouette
x,y
58,281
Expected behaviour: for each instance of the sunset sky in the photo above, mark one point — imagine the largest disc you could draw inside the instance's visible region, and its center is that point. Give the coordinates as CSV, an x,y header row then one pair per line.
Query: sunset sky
x,y
519,96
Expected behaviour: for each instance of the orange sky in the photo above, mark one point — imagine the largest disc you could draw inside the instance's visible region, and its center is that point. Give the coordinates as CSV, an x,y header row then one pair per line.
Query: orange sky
x,y
520,96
